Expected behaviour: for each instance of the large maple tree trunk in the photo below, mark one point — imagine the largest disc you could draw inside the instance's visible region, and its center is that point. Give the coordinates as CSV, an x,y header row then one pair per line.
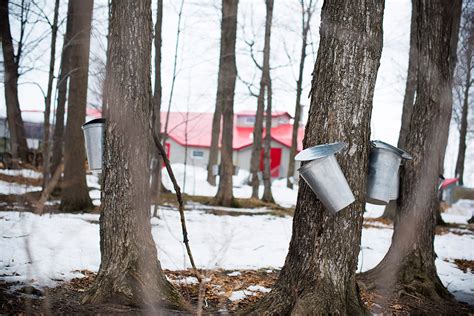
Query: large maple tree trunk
x,y
225,100
319,272
75,193
18,144
409,98
58,133
130,272
409,265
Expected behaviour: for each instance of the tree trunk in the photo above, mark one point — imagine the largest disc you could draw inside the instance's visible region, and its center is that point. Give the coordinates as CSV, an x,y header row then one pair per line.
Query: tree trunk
x,y
18,144
306,19
258,126
409,98
267,177
63,77
225,100
409,265
130,272
319,272
257,140
75,193
459,171
156,171
47,107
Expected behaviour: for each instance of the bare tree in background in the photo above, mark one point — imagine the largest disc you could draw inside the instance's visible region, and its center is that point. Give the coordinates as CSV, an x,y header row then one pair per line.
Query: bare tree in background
x,y
156,169
11,61
62,84
259,115
409,266
267,177
307,11
75,193
225,101
47,105
319,272
463,83
130,272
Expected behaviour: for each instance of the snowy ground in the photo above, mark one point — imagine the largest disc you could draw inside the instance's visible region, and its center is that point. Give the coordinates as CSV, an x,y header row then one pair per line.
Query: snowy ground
x,y
43,250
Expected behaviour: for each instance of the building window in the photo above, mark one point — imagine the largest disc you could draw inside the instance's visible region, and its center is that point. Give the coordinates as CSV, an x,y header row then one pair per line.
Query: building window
x,y
198,154
250,119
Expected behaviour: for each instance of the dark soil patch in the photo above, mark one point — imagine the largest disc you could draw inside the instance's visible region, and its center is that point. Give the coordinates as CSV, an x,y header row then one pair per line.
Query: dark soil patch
x,y
465,265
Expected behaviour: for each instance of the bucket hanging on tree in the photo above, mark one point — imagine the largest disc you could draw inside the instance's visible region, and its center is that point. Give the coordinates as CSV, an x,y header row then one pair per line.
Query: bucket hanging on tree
x,y
94,134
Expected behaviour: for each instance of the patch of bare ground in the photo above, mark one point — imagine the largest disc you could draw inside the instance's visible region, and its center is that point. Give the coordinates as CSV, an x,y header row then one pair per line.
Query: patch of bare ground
x,y
213,295
456,229
466,266
377,222
21,180
411,304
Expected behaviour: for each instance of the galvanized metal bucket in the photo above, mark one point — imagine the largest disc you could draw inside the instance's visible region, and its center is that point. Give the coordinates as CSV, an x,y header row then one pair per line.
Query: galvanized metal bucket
x,y
94,137
384,165
324,176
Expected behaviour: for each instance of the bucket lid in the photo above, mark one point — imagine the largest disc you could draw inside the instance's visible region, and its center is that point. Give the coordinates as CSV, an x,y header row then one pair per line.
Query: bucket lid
x,y
320,151
381,145
95,121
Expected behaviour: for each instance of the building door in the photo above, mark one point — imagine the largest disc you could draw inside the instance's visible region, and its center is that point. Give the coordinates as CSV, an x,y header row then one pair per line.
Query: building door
x,y
275,162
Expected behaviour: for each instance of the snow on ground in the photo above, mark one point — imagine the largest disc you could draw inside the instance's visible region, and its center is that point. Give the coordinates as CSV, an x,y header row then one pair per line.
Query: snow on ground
x,y
14,188
196,184
44,249
26,173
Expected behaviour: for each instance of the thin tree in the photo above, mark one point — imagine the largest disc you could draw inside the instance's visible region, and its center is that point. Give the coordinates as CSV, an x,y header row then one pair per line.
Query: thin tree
x,y
225,100
11,61
47,107
256,154
464,74
409,266
75,193
156,171
62,84
267,177
130,272
307,11
319,272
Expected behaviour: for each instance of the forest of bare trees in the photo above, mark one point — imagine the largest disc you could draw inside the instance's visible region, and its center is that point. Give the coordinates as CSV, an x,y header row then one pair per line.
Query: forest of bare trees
x,y
133,200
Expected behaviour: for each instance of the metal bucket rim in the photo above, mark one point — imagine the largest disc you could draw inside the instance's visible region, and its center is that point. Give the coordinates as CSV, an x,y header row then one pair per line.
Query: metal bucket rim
x,y
94,122
311,163
378,144
320,151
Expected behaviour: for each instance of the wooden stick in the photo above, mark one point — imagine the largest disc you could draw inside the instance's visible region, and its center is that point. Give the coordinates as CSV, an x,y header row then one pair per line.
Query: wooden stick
x,y
179,197
39,207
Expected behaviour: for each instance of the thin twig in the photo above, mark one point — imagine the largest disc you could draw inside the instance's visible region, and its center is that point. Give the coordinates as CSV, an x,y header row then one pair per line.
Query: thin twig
x,y
39,207
179,196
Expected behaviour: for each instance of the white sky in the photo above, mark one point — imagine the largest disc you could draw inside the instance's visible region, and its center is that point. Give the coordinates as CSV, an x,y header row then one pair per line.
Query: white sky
x,y
196,83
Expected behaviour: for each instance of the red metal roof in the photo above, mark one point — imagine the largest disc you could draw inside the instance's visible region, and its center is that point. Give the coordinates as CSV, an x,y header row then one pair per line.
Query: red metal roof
x,y
199,126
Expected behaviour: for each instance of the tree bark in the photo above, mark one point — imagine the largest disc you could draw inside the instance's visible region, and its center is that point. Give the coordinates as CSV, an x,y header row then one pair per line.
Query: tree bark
x,y
305,19
459,171
225,100
409,265
156,171
130,272
259,117
47,107
267,177
75,193
18,144
319,272
63,77
409,98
